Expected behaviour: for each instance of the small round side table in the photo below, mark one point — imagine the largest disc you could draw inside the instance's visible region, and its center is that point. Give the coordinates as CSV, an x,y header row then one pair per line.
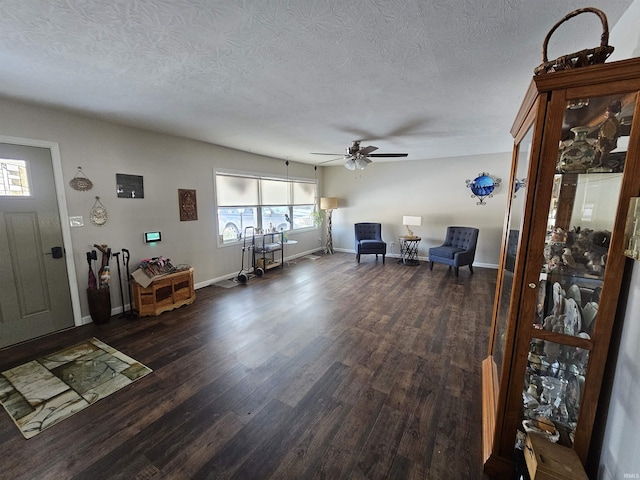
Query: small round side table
x,y
409,250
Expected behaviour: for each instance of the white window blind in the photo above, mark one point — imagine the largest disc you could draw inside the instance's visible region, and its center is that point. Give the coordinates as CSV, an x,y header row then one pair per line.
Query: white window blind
x,y
236,191
274,192
304,193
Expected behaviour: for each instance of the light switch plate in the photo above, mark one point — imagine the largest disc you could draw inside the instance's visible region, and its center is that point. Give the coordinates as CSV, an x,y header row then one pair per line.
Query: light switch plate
x,y
76,221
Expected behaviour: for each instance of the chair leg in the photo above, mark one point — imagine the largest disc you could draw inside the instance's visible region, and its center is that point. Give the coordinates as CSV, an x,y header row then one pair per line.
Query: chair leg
x,y
358,257
471,268
383,259
456,270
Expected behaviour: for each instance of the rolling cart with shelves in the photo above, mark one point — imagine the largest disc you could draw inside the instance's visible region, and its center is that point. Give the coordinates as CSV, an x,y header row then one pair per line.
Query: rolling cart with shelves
x,y
266,248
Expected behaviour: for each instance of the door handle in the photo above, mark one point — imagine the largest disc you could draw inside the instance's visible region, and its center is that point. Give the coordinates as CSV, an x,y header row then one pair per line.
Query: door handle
x,y
56,252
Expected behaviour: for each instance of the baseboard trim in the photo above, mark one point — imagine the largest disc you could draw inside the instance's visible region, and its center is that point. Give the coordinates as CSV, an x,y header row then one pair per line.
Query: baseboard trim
x,y
492,266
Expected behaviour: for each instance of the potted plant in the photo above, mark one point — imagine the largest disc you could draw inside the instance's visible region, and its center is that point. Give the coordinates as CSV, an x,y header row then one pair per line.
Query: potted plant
x,y
318,217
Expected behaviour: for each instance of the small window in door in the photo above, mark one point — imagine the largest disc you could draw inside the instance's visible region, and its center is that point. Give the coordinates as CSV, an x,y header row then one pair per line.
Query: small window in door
x,y
13,178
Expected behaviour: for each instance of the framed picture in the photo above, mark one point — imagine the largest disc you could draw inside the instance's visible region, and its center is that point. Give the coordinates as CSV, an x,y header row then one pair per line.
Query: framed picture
x,y
188,205
129,186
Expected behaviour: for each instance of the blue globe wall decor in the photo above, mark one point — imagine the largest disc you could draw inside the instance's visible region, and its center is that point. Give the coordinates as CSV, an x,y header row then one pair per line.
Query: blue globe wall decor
x,y
518,185
483,186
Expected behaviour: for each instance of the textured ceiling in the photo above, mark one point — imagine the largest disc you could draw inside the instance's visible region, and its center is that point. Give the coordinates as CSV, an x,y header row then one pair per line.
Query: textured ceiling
x,y
283,78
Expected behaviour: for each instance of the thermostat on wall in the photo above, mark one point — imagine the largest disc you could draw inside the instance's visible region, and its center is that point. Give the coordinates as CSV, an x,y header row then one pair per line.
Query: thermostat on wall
x,y
150,237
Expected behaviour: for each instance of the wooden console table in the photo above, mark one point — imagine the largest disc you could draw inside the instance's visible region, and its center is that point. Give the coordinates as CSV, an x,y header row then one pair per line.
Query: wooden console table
x,y
163,294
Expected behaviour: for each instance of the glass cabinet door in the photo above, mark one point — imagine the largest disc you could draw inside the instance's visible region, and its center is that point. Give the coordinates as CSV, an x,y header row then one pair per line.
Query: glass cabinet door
x,y
584,201
514,227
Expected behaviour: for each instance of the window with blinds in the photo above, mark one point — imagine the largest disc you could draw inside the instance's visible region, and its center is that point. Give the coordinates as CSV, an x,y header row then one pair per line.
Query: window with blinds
x,y
247,203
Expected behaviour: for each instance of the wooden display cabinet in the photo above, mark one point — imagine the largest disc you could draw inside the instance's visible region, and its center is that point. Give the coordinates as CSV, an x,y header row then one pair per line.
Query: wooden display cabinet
x,y
163,294
576,164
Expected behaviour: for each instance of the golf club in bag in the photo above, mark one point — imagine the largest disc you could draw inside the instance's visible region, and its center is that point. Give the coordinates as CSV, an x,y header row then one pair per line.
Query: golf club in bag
x,y
125,261
116,255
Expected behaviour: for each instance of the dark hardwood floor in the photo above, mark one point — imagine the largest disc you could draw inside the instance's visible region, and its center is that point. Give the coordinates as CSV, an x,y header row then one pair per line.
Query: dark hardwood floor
x,y
326,369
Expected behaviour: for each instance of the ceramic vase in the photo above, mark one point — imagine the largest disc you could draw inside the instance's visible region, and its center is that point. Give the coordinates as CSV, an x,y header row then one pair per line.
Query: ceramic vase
x,y
579,155
99,304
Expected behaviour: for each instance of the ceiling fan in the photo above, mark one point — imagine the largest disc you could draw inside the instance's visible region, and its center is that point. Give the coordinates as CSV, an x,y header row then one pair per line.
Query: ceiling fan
x,y
359,157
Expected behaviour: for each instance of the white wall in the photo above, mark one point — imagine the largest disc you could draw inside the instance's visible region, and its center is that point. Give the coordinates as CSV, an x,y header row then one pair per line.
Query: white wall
x,y
432,189
167,163
621,442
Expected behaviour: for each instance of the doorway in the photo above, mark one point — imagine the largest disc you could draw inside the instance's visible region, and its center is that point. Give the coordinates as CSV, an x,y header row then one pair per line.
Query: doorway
x,y
35,294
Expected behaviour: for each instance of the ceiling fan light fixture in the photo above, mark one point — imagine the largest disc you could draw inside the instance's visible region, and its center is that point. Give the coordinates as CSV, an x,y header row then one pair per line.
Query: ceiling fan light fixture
x,y
362,162
350,164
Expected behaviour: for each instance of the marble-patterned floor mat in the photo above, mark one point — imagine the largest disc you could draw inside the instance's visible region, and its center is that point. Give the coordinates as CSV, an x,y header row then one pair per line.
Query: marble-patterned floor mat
x,y
43,392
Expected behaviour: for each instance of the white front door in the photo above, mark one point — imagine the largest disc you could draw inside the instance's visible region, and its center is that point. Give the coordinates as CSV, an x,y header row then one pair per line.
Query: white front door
x,y
34,289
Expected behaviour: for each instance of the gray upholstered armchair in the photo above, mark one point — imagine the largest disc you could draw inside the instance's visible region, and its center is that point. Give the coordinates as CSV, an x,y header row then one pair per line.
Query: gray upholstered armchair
x,y
458,249
369,240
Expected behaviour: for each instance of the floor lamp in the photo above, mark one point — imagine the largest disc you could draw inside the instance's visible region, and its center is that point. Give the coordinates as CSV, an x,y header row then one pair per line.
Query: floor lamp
x,y
329,204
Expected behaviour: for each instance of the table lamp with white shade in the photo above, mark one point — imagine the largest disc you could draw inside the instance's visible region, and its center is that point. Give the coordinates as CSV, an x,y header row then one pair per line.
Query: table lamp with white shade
x,y
411,221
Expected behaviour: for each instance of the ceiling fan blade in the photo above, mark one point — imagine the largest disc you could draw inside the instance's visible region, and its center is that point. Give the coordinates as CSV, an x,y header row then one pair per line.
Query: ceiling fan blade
x,y
367,150
333,160
388,155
